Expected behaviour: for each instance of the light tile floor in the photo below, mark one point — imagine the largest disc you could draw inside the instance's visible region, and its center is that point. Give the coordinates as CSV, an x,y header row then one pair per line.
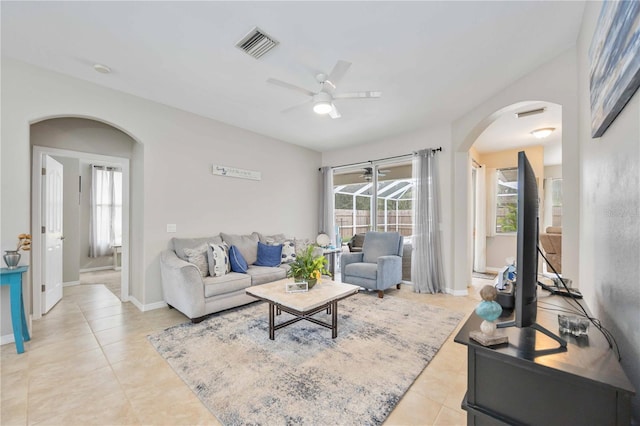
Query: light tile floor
x,y
89,362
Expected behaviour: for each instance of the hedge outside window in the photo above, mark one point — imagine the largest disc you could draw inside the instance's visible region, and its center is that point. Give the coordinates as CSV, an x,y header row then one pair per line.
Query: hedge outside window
x,y
507,200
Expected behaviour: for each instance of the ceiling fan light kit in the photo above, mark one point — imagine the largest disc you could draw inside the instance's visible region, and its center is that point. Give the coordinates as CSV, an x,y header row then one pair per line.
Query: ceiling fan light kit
x,y
323,99
322,107
542,133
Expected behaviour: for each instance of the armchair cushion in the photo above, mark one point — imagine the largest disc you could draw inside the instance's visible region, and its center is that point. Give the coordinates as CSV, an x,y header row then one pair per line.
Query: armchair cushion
x,y
378,244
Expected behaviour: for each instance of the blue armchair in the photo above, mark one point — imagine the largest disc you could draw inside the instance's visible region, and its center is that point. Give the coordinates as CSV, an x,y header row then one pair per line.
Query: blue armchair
x,y
378,266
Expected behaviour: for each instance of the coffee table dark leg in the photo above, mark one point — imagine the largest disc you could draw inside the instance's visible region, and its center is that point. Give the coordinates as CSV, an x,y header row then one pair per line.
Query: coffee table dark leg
x,y
334,318
272,308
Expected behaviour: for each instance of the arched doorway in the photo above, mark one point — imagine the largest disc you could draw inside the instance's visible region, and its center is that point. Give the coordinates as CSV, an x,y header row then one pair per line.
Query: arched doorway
x,y
85,141
505,122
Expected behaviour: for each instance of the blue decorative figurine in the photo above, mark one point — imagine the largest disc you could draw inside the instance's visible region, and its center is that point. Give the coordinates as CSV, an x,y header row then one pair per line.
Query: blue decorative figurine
x,y
489,310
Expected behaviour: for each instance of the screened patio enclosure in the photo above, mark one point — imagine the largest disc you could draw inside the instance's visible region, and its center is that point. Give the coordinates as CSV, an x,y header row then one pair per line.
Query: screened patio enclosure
x,y
355,192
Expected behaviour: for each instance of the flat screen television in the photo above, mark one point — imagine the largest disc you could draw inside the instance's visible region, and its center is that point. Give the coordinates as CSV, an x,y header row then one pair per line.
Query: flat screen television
x,y
526,302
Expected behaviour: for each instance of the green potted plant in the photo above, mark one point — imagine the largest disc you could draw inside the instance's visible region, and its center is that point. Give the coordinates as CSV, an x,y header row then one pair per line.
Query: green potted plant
x,y
308,267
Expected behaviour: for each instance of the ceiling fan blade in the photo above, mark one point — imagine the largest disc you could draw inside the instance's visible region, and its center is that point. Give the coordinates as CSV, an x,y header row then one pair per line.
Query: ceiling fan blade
x,y
339,70
289,86
304,104
334,113
358,95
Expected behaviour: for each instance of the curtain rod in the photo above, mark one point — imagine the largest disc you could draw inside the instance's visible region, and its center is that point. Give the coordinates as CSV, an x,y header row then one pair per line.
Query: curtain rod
x,y
476,163
380,159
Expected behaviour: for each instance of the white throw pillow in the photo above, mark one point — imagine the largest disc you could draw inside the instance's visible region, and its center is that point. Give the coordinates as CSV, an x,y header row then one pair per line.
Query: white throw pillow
x,y
288,251
218,255
198,256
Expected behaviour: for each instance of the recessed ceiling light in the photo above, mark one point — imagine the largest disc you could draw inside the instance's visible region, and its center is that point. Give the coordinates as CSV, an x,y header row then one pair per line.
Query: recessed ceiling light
x,y
103,69
543,133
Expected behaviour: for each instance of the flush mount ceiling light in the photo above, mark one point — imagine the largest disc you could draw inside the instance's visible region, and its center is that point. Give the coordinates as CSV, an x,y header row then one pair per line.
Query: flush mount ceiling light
x,y
322,103
543,133
103,69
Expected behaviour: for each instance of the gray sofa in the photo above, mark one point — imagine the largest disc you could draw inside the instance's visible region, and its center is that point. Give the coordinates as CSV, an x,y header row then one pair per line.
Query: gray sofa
x,y
196,296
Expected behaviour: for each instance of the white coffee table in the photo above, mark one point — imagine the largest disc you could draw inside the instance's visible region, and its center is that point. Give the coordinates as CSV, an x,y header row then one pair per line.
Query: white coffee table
x,y
323,296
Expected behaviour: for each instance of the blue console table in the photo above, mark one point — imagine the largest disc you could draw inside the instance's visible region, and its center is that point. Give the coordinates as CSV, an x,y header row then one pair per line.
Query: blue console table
x,y
13,278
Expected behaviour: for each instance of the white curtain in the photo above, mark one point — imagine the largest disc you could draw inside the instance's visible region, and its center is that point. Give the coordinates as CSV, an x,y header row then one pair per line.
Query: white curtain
x,y
105,227
492,202
426,262
327,203
480,225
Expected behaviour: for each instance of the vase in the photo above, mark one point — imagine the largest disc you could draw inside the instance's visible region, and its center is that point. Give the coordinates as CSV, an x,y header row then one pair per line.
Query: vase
x,y
11,258
311,282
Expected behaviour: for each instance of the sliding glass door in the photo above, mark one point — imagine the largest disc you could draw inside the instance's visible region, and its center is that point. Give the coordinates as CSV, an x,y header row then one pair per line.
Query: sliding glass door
x,y
374,197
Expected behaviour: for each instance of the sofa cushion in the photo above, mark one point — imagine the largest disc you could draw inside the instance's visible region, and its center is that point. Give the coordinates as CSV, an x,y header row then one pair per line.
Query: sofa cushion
x,y
238,263
247,244
272,240
179,244
198,256
288,251
268,255
214,286
264,274
218,259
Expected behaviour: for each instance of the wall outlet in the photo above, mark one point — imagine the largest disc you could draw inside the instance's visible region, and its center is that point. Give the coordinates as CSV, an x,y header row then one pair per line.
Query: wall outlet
x,y
171,227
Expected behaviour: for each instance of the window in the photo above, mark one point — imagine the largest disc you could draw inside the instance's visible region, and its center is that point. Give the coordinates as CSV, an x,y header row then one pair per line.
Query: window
x,y
507,200
106,210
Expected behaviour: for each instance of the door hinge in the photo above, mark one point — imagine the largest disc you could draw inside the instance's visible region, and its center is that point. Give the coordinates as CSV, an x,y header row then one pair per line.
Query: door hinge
x,y
44,230
44,288
44,171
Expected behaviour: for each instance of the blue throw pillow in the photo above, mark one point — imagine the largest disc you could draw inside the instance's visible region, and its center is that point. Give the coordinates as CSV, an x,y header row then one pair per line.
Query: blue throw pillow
x,y
238,264
269,255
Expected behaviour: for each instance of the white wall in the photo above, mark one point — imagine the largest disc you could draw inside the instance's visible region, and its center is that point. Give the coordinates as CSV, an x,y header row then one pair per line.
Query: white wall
x,y
406,144
174,160
610,210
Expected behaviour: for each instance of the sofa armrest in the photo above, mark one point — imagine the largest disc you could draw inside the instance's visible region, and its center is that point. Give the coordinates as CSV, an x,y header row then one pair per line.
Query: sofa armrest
x,y
182,285
389,271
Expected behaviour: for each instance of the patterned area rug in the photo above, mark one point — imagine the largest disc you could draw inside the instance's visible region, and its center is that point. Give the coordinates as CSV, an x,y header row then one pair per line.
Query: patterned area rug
x,y
304,376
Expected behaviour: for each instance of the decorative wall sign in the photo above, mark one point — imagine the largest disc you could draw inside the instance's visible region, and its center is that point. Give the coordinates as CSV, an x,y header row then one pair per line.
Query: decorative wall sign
x,y
235,172
615,62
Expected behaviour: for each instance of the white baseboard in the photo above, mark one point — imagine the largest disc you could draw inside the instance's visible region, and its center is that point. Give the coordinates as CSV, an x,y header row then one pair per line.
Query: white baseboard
x,y
99,268
148,307
7,338
453,292
71,283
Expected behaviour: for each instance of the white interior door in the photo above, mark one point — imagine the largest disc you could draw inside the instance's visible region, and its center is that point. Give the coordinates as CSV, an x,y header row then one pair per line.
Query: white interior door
x,y
53,236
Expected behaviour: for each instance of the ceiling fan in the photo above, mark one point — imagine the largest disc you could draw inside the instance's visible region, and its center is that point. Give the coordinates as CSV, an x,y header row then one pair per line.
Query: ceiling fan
x,y
367,173
322,100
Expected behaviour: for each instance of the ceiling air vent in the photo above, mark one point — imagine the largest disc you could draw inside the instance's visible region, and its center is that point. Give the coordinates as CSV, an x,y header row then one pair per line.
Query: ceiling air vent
x,y
528,113
256,43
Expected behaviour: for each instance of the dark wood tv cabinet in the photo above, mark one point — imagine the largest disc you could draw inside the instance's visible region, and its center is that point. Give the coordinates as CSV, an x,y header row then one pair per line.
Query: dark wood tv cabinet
x,y
529,380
